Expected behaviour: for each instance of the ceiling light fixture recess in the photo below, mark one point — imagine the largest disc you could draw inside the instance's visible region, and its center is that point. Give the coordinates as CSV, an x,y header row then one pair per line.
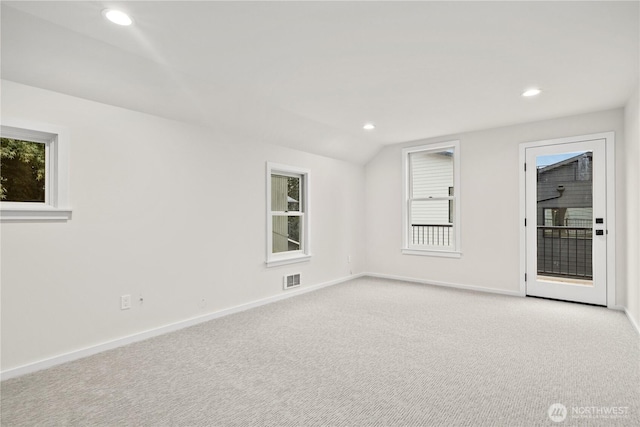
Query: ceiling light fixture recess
x,y
369,126
117,17
531,92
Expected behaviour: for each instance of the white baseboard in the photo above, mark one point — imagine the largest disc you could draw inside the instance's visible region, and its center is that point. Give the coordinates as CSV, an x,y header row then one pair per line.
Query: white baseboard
x,y
633,321
446,284
119,342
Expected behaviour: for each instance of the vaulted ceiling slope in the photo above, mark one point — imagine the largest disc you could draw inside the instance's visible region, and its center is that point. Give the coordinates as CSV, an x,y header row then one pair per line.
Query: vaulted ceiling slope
x,y
308,75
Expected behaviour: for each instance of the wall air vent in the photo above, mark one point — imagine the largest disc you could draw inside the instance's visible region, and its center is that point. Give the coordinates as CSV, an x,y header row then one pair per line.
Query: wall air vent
x,y
292,281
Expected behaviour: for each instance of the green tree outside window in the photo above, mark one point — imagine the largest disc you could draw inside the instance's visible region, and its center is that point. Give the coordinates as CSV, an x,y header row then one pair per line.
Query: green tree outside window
x,y
22,171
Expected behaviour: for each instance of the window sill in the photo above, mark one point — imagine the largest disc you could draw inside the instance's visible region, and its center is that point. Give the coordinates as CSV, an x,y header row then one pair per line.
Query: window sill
x,y
289,260
31,213
442,254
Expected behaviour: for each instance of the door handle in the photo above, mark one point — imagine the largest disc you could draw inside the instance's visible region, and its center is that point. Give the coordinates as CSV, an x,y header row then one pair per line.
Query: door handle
x,y
599,232
599,220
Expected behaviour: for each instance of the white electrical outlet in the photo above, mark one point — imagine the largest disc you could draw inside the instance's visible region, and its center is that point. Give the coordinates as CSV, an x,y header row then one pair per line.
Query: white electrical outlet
x,y
125,302
349,259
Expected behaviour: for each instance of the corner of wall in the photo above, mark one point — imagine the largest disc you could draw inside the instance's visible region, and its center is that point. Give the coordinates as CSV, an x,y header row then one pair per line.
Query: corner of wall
x,y
631,152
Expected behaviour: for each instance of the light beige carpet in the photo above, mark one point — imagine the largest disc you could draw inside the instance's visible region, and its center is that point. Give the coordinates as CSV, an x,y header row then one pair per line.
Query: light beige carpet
x,y
369,352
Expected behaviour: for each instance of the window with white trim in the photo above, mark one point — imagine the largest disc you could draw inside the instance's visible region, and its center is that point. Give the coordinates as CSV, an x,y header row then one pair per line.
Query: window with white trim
x,y
287,214
33,172
431,207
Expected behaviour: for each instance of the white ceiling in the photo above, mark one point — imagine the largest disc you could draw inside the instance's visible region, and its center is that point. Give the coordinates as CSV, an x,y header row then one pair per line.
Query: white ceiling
x,y
308,75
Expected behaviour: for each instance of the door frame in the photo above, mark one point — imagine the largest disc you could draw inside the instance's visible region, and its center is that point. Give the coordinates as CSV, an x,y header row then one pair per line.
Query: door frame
x,y
609,138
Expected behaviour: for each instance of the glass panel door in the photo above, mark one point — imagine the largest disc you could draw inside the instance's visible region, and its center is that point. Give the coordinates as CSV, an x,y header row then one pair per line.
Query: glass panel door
x,y
566,236
564,217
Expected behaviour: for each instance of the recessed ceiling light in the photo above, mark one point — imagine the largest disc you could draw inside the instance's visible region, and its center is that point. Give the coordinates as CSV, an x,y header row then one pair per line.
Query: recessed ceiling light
x,y
369,126
117,17
531,92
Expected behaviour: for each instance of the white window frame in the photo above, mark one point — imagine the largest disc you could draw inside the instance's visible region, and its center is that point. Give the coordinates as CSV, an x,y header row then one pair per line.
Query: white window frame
x,y
56,140
407,247
304,254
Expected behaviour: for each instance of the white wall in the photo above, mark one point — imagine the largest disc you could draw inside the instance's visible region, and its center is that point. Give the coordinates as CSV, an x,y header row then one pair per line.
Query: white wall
x,y
632,193
161,209
177,214
490,220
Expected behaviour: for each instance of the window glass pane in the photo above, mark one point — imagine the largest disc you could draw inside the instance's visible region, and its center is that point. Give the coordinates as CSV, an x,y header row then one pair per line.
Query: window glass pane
x,y
431,173
431,223
564,197
294,233
285,193
568,217
22,171
430,212
286,233
294,195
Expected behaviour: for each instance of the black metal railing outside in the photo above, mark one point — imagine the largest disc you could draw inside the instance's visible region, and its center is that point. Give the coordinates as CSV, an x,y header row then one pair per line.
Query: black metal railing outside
x,y
565,251
432,234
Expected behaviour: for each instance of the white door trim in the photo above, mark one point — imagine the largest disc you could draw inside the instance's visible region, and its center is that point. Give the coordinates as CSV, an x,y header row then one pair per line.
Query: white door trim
x,y
609,138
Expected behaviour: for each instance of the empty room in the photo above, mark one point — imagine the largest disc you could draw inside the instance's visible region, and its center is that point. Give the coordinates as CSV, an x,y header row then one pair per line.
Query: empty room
x,y
320,213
